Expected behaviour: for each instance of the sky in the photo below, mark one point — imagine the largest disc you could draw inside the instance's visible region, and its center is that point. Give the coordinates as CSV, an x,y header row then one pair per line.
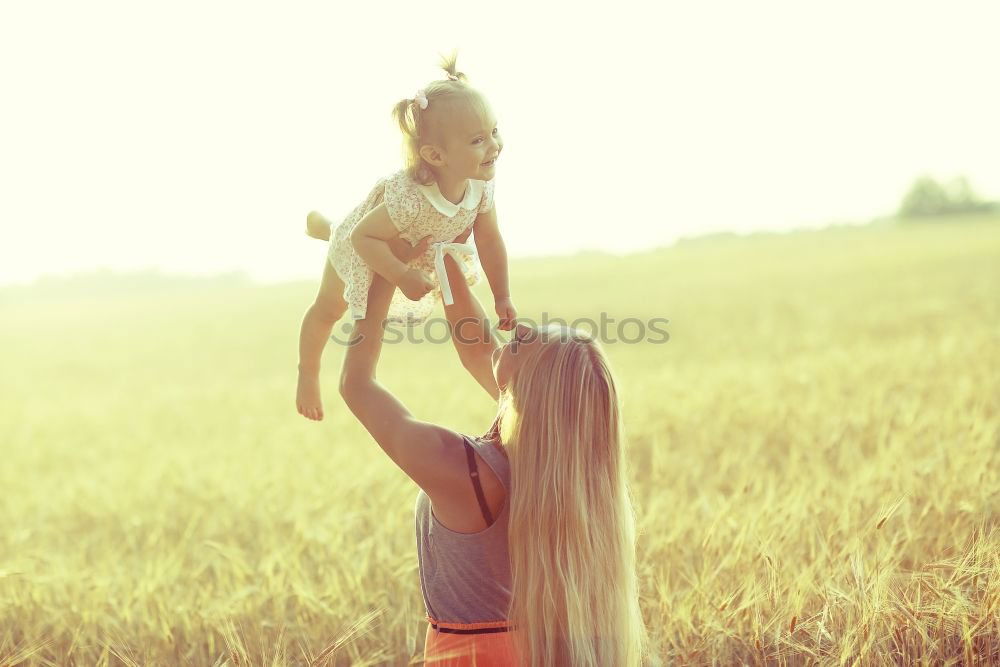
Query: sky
x,y
194,137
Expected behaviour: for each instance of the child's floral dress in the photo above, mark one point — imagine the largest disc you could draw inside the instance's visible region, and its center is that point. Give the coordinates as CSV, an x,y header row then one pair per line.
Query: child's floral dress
x,y
417,211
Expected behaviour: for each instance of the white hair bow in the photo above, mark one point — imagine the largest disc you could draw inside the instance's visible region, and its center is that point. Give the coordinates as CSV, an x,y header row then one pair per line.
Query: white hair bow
x,y
421,99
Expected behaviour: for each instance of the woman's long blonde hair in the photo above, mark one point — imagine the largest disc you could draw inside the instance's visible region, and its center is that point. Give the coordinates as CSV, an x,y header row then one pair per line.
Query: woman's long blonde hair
x,y
445,97
572,526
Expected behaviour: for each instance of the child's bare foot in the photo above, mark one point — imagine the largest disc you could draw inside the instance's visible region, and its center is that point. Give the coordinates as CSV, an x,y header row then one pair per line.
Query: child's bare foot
x,y
317,226
307,397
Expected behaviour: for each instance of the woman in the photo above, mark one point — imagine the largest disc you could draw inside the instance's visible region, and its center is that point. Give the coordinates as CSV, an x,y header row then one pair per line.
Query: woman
x,y
526,535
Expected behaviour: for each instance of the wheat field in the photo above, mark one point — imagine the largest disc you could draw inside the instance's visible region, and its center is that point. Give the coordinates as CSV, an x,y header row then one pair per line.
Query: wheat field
x,y
813,452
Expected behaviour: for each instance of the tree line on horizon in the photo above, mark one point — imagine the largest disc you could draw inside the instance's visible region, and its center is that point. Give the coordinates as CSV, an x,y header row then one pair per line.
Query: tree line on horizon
x,y
929,198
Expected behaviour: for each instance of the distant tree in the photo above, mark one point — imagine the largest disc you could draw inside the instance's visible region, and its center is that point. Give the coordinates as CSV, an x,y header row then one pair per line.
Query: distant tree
x,y
927,198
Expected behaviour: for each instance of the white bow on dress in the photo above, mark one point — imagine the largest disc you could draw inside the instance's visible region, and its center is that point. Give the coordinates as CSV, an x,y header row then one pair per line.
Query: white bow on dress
x,y
442,248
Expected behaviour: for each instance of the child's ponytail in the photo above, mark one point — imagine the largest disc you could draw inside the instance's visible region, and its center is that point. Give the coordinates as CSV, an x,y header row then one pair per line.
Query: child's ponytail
x,y
448,64
419,125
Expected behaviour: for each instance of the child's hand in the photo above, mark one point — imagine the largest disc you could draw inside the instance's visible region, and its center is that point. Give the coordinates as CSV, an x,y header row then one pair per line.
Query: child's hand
x,y
507,313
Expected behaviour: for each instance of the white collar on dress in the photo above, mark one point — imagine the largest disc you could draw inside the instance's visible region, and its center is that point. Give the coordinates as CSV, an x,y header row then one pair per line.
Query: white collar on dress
x,y
473,195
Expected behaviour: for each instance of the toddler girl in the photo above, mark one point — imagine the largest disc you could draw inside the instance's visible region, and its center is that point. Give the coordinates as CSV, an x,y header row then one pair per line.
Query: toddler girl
x,y
451,143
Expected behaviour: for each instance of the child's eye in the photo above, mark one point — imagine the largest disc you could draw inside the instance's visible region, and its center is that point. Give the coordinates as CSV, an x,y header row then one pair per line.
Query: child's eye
x,y
494,133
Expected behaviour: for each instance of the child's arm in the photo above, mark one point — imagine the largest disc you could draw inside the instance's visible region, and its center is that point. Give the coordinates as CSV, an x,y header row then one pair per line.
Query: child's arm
x,y
370,238
493,256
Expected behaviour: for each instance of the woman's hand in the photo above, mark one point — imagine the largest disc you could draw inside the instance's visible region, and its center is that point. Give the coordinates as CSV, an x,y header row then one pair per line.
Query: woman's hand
x,y
405,252
413,283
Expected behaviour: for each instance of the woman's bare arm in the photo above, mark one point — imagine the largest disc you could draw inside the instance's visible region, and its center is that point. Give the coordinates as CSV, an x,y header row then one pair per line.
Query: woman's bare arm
x,y
417,447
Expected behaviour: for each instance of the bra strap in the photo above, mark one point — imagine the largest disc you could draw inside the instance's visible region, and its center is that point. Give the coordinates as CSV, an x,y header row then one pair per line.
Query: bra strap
x,y
474,474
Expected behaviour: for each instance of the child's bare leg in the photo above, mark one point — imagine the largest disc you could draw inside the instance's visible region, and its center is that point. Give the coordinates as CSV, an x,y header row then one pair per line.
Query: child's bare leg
x,y
316,327
317,226
470,330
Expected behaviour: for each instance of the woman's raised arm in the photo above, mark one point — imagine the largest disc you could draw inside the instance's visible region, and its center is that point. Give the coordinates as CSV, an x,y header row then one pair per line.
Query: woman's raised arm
x,y
417,447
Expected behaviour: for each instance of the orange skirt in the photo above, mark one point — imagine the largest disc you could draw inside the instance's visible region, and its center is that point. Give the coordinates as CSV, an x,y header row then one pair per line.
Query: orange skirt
x,y
472,644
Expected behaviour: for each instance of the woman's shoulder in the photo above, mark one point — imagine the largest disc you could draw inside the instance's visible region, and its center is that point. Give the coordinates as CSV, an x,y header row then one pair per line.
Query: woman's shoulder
x,y
489,447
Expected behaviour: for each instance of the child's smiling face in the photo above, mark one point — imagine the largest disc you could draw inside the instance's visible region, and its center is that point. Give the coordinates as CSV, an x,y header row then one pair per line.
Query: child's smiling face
x,y
471,138
475,140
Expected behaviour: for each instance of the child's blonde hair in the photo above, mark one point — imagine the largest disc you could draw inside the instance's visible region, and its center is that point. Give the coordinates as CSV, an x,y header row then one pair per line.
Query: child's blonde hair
x,y
430,125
